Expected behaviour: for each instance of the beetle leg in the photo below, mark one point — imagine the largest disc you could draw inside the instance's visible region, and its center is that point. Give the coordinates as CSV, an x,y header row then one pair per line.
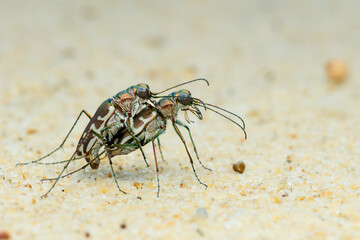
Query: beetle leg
x,y
101,136
137,142
59,162
47,155
192,141
67,164
159,146
70,173
157,169
87,164
104,130
191,161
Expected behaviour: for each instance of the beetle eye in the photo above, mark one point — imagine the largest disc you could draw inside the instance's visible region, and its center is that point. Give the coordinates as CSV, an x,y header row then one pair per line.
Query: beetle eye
x,y
143,92
184,99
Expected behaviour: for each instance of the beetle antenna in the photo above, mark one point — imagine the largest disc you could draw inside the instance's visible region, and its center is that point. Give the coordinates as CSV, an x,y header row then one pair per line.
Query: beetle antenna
x,y
242,128
194,80
211,105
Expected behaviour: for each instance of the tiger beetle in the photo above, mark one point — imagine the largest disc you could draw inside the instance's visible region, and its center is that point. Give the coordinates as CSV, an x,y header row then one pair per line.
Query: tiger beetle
x,y
151,122
113,114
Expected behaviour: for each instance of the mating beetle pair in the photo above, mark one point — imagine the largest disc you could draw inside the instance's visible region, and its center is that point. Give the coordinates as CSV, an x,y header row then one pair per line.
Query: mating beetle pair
x,y
131,119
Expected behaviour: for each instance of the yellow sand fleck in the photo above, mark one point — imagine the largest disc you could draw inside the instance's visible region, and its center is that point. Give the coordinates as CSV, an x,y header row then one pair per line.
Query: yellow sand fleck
x,y
278,171
31,130
321,235
277,200
311,198
151,185
293,135
103,190
325,193
275,218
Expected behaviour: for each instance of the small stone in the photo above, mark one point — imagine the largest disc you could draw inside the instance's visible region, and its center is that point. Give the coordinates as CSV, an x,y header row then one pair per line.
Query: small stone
x,y
4,235
123,226
239,167
337,71
136,184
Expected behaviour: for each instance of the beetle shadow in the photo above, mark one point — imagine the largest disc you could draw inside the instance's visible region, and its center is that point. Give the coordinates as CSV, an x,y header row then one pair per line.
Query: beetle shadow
x,y
127,173
136,172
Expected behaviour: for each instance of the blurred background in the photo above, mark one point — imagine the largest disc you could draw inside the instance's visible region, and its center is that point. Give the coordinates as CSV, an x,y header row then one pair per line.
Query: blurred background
x,y
117,43
60,51
289,68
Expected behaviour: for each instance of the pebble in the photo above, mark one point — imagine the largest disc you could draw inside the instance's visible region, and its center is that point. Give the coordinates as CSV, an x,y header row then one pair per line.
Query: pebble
x,y
239,167
337,71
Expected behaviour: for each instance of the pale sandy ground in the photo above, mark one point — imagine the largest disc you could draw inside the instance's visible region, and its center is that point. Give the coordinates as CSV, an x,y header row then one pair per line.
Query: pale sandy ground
x,y
265,60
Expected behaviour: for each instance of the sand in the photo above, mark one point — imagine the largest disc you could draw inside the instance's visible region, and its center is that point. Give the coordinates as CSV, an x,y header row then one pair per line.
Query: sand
x,y
265,60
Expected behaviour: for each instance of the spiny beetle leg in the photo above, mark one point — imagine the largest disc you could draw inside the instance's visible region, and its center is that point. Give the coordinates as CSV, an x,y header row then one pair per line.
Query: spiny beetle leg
x,y
192,141
138,143
47,155
157,168
105,129
64,168
68,162
59,162
187,151
109,158
159,146
77,170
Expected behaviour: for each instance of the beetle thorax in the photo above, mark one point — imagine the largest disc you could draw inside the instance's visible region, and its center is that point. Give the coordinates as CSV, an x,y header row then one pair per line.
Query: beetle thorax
x,y
123,102
168,108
